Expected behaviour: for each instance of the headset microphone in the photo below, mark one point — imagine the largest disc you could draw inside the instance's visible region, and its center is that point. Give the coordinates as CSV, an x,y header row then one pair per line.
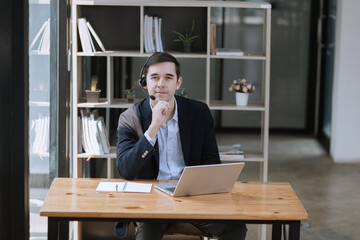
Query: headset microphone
x,y
151,96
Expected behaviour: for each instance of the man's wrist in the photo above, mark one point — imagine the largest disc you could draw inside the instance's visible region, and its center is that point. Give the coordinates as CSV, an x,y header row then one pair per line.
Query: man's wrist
x,y
152,140
152,131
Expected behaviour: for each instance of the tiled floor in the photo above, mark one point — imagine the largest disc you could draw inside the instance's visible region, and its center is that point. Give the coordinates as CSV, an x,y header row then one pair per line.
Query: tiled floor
x,y
329,192
38,225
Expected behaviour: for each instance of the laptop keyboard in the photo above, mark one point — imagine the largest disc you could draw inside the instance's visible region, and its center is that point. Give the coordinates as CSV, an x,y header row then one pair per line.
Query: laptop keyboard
x,y
167,187
170,189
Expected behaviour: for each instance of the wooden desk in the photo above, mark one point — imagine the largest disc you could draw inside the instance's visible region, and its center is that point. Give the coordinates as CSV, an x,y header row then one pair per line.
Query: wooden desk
x,y
72,199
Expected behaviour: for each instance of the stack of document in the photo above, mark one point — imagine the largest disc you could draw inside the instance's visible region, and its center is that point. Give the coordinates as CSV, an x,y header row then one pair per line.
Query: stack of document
x,y
229,52
152,34
85,32
93,133
231,151
124,187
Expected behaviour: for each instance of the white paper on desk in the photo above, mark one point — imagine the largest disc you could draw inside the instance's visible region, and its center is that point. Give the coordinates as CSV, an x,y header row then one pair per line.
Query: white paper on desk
x,y
124,187
138,187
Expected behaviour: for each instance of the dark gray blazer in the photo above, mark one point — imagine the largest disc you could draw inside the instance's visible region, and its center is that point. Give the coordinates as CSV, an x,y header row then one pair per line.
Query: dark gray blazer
x,y
136,158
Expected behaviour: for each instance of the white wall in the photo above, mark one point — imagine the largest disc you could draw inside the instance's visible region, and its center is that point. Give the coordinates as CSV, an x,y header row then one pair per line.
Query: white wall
x,y
345,124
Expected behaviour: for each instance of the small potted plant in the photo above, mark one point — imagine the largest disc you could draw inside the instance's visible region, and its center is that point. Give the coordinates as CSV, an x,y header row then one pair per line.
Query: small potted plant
x,y
242,88
182,92
130,94
186,38
93,94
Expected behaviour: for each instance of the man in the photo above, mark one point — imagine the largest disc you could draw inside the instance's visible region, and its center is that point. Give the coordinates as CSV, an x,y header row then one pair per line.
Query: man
x,y
161,135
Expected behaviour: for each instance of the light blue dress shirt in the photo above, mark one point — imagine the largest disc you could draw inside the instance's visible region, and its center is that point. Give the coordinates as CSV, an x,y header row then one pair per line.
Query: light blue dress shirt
x,y
171,158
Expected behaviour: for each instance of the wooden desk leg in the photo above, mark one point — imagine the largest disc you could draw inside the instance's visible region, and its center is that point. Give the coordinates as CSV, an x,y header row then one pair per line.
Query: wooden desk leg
x,y
276,231
294,231
53,228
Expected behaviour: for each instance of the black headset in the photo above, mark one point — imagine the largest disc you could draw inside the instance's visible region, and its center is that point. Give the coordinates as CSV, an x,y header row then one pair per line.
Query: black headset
x,y
142,77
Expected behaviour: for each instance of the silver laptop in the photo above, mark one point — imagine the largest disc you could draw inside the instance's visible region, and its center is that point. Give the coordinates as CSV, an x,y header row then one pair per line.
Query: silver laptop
x,y
204,179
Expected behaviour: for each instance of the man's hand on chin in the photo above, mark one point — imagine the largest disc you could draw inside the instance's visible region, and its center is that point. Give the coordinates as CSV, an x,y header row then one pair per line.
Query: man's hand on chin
x,y
160,113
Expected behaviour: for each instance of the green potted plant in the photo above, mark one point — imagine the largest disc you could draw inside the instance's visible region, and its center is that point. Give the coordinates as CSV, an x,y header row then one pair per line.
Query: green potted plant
x,y
242,88
130,94
186,38
93,94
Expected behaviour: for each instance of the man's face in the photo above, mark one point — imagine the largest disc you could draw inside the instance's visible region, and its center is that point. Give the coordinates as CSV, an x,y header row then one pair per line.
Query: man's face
x,y
162,82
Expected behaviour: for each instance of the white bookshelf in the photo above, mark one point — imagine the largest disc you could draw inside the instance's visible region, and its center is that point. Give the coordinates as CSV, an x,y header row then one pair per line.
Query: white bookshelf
x,y
204,54
111,103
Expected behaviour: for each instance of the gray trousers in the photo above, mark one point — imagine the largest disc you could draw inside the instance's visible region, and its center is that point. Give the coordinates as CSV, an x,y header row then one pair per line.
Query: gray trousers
x,y
155,231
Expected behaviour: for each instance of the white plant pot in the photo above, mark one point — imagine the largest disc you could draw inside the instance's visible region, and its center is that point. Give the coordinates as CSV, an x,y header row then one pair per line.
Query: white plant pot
x,y
92,96
242,99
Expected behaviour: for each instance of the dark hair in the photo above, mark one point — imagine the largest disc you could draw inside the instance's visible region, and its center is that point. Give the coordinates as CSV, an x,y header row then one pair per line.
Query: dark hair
x,y
160,57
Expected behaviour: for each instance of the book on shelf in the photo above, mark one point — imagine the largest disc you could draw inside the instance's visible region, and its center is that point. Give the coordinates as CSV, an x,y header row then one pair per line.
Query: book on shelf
x,y
94,136
80,134
82,137
86,34
84,133
146,38
229,52
103,134
156,33
212,38
152,34
92,31
42,38
159,36
231,151
84,39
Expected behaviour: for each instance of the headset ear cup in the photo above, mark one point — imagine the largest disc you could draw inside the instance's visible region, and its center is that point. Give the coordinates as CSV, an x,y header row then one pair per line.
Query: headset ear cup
x,y
142,78
143,81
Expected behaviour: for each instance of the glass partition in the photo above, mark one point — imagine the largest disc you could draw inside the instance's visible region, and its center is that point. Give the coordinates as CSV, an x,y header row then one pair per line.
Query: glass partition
x,y
39,112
